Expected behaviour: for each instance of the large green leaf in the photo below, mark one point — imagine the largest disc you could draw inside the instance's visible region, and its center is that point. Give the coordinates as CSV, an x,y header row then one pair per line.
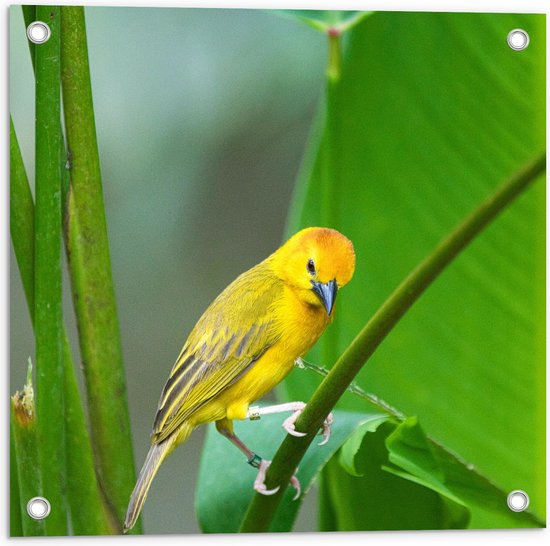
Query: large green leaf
x,y
349,451
432,112
224,488
428,463
378,500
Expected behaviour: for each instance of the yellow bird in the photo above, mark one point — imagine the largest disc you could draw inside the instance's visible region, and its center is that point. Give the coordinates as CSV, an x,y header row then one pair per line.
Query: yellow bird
x,y
244,344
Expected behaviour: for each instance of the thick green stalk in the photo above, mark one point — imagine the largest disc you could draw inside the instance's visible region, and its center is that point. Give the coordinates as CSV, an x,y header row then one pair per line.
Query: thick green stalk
x,y
47,279
22,232
88,516
29,16
84,496
25,436
261,510
16,524
90,269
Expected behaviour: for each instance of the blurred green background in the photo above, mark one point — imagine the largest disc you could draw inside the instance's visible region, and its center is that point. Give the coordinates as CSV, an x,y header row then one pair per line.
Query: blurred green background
x,y
202,118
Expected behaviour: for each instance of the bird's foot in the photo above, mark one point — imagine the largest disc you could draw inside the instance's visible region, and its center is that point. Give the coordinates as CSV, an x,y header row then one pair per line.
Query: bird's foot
x,y
289,425
295,482
325,430
259,482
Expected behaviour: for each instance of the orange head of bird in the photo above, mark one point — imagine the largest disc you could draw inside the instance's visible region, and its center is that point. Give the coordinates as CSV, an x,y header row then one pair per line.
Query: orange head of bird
x,y
316,262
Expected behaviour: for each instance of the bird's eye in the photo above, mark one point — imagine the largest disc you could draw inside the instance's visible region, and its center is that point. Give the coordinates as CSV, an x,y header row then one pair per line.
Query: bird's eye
x,y
311,267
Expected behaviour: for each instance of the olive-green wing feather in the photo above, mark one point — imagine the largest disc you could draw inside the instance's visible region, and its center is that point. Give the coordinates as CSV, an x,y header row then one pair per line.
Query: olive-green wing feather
x,y
231,335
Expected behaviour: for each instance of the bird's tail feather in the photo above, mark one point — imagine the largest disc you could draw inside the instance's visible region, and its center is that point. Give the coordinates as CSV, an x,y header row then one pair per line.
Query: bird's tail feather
x,y
155,457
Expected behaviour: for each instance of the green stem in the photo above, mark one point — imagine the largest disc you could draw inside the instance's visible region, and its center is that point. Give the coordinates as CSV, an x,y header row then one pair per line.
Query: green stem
x,y
261,510
22,233
47,285
16,523
354,389
331,169
29,16
23,426
22,219
90,269
88,514
334,67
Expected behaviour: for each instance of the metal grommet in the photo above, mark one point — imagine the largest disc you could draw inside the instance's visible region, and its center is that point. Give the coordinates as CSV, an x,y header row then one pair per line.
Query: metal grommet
x,y
38,508
518,500
518,39
38,32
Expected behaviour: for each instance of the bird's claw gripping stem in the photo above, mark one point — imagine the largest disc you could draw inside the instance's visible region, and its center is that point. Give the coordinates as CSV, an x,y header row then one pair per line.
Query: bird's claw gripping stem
x,y
325,431
255,412
288,425
259,483
295,482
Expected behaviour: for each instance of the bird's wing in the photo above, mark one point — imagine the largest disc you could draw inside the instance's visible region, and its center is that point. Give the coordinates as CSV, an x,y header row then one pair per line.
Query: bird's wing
x,y
232,334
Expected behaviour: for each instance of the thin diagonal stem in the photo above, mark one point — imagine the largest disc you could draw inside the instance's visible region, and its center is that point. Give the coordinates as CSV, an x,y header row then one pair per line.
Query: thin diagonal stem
x,y
261,510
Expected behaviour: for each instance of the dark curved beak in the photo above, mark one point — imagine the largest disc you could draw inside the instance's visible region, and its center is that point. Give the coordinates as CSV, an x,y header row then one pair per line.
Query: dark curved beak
x,y
326,292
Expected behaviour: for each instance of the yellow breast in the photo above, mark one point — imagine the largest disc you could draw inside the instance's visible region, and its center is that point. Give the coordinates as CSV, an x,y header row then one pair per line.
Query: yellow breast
x,y
301,325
